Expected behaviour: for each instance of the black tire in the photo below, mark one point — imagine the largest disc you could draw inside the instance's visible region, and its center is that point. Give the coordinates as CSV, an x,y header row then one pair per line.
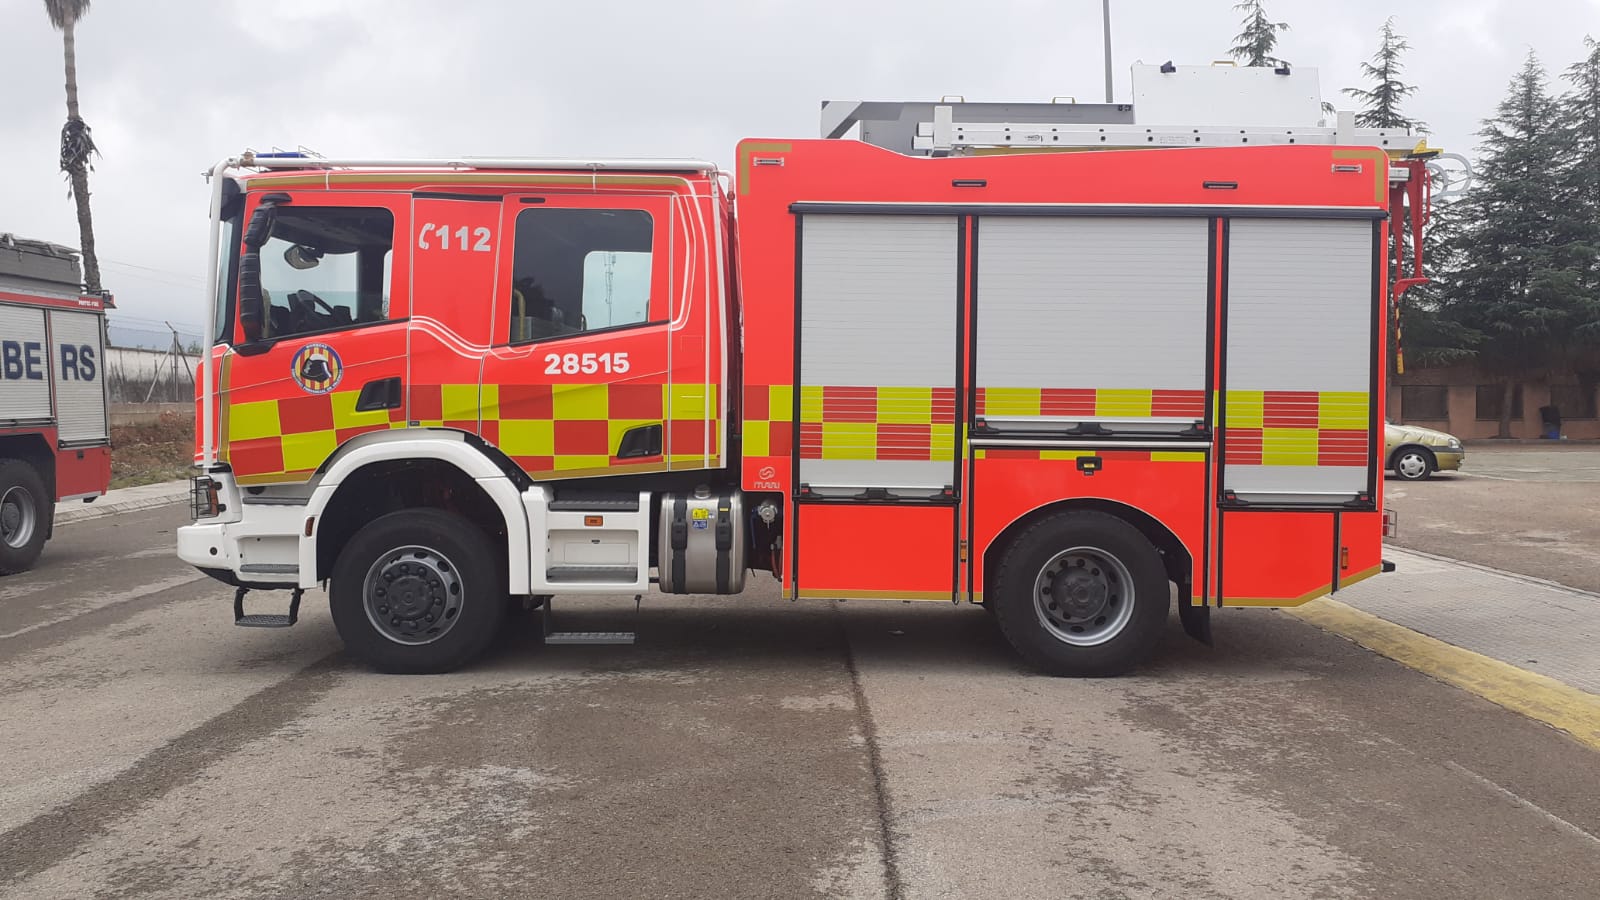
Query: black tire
x,y
469,561
26,510
1038,550
1413,463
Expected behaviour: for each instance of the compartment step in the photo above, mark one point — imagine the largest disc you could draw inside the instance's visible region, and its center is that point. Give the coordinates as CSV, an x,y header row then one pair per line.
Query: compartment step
x,y
589,637
596,503
625,574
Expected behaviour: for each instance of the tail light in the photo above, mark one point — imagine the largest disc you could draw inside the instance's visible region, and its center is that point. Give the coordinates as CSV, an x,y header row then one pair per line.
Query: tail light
x,y
1391,523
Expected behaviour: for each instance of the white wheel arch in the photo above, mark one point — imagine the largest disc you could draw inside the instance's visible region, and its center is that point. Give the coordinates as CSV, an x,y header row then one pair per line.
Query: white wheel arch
x,y
449,447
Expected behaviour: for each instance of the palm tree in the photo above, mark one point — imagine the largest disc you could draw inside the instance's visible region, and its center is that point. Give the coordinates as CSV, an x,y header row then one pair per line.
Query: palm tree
x,y
76,144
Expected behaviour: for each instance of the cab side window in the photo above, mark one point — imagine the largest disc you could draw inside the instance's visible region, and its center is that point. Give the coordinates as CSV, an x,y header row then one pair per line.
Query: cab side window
x,y
326,268
578,270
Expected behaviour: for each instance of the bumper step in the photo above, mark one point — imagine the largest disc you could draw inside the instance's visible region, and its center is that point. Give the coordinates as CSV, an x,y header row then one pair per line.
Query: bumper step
x,y
265,620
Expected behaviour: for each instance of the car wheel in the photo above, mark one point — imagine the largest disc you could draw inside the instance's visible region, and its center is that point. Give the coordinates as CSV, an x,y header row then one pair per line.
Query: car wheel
x,y
25,512
1082,593
1413,463
418,591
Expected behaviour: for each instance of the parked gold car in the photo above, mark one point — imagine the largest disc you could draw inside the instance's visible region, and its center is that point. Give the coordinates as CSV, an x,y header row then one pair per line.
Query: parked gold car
x,y
1414,453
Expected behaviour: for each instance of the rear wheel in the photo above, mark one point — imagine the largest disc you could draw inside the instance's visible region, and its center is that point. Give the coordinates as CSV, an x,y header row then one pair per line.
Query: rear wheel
x,y
417,591
1082,593
25,512
1414,463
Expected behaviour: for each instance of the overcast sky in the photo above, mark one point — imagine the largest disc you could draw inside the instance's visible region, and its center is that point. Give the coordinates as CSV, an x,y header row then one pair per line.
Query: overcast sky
x,y
170,86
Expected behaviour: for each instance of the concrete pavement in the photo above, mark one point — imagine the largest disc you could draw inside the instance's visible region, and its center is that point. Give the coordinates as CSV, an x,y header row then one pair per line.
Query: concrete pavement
x,y
746,747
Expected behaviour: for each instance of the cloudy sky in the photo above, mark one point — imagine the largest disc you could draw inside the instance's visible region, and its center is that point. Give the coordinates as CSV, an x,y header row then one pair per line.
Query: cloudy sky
x,y
170,86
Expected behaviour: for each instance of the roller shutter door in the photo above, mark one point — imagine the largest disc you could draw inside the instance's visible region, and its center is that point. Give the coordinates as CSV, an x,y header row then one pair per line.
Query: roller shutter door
x,y
1299,360
1092,319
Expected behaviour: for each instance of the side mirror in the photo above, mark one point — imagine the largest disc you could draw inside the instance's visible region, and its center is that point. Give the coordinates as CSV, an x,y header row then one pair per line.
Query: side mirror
x,y
252,313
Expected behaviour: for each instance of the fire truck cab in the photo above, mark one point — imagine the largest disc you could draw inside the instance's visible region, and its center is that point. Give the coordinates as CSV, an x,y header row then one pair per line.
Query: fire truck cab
x,y
935,364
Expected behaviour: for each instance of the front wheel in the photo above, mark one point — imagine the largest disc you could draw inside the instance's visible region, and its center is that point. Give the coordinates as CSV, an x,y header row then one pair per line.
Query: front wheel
x,y
1414,464
418,591
1082,593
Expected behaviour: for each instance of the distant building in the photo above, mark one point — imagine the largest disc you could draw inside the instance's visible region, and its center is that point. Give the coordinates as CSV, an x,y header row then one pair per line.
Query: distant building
x,y
1467,403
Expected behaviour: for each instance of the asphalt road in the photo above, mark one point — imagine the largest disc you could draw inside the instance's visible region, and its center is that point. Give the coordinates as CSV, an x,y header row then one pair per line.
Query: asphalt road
x,y
1530,509
747,747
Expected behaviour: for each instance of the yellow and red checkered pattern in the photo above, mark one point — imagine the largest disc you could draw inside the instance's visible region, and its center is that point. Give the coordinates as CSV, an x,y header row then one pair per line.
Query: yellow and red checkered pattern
x,y
1105,403
1297,428
563,430
287,439
852,422
568,430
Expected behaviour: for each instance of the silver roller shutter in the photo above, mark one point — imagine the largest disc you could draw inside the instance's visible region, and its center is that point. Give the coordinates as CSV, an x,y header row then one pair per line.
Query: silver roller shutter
x,y
78,365
1299,359
878,355
1092,319
24,366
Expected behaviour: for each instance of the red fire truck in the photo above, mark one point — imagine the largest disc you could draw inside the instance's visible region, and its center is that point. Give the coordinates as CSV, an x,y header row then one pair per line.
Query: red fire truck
x,y
932,364
54,445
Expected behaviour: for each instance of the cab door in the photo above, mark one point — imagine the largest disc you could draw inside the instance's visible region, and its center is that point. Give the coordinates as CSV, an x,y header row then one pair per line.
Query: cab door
x,y
578,382
456,240
316,367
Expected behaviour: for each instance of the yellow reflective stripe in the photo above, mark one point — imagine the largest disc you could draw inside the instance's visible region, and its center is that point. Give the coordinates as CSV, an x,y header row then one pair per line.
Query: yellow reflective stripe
x,y
250,421
757,438
810,403
579,401
345,415
1247,409
687,401
780,402
1011,401
905,405
1118,402
308,449
849,440
1288,447
459,402
1342,410
528,437
1177,456
589,461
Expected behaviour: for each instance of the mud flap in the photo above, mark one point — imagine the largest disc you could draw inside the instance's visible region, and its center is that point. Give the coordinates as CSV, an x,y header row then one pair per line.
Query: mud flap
x,y
1196,622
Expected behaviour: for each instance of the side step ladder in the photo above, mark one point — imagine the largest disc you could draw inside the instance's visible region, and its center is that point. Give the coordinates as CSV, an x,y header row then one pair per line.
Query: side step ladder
x,y
551,636
265,620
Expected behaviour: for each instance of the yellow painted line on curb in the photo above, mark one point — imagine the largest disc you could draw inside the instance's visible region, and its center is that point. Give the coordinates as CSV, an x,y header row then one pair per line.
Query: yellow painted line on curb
x,y
1536,696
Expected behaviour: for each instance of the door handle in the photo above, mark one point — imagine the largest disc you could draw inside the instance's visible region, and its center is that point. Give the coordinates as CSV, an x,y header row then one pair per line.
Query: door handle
x,y
382,394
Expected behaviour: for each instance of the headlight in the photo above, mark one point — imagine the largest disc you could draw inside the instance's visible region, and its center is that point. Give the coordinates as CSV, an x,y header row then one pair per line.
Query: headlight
x,y
1454,443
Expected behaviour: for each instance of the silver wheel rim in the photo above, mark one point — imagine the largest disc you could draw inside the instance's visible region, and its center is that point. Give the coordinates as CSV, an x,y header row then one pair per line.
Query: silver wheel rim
x,y
1083,596
413,595
19,516
1413,465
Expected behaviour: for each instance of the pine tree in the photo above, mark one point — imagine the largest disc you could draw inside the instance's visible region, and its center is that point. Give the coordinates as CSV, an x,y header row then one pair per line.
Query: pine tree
x,y
1580,116
1513,266
1254,44
1381,104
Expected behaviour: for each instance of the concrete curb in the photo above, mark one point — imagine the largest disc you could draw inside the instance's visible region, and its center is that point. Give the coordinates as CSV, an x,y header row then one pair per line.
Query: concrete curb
x,y
122,500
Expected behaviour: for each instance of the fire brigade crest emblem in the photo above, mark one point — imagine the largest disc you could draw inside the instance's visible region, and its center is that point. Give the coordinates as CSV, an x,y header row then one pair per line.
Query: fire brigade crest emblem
x,y
316,368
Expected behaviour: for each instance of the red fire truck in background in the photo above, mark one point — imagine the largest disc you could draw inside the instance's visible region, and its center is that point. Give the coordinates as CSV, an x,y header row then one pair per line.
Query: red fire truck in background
x,y
933,364
54,445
